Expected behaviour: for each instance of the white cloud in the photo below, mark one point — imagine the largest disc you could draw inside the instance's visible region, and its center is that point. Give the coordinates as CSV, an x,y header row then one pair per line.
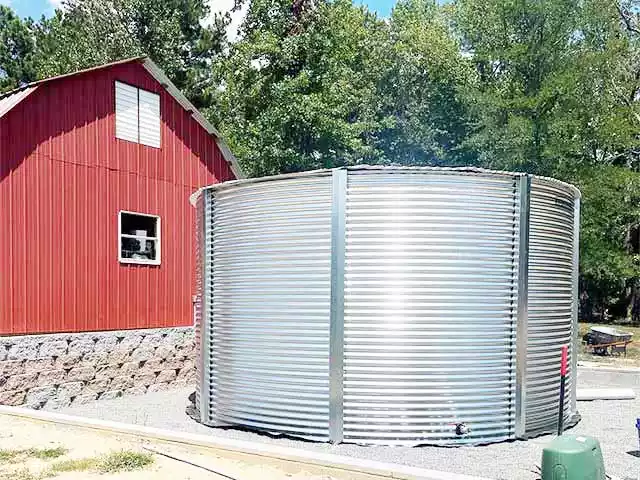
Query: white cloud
x,y
224,6
5,2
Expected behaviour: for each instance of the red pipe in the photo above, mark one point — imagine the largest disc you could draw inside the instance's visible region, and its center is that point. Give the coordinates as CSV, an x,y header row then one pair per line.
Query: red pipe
x,y
563,376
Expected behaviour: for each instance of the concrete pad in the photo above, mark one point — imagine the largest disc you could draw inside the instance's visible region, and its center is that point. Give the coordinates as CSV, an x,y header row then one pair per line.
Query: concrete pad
x,y
588,394
606,367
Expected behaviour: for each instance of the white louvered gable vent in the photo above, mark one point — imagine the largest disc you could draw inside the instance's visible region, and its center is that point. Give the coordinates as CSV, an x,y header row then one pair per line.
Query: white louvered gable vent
x,y
149,108
126,112
137,115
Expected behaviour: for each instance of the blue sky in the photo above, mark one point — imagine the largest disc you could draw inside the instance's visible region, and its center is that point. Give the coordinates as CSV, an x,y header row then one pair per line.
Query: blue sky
x,y
32,8
383,7
35,8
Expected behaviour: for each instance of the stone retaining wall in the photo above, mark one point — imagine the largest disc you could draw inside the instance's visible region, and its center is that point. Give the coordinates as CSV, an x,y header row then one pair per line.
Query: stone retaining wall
x,y
58,370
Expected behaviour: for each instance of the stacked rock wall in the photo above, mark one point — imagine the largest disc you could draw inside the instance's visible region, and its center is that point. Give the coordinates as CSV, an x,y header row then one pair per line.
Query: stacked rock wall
x,y
58,370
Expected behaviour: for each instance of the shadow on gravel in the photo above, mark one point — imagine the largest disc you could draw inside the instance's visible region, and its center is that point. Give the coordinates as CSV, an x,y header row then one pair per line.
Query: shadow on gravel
x,y
634,453
192,412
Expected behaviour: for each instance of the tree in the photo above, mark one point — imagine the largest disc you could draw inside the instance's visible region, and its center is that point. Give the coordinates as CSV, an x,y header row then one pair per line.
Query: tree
x,y
299,90
93,32
609,242
626,83
327,83
16,50
546,74
423,89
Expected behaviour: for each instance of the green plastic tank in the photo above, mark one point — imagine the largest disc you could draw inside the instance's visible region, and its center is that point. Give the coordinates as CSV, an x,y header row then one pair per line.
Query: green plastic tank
x,y
573,457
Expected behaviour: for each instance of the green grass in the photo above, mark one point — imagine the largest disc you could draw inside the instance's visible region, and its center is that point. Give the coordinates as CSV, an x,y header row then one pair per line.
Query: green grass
x,y
124,461
73,465
15,455
23,474
113,462
46,453
7,456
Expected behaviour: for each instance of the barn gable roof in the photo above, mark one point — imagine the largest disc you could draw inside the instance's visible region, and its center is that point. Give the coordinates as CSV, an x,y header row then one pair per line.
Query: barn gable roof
x,y
12,98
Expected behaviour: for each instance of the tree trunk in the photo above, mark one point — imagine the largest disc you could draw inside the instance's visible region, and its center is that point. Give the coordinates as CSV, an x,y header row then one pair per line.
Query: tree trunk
x,y
632,246
633,308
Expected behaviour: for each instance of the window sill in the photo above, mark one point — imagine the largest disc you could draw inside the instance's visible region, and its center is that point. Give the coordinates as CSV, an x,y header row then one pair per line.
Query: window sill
x,y
135,261
156,147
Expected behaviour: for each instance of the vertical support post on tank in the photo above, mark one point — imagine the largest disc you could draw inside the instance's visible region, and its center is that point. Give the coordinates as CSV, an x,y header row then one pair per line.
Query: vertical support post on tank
x,y
575,305
524,200
205,239
336,331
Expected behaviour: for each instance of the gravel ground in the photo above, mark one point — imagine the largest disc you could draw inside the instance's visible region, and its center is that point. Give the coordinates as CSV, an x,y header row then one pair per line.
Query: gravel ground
x,y
612,422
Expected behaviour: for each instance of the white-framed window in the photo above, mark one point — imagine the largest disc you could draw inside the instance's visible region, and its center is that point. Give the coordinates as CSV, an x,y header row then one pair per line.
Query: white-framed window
x,y
138,238
137,115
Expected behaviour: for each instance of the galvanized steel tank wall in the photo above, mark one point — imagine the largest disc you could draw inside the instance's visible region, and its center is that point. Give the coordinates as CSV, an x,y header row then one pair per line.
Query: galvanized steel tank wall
x,y
552,292
388,305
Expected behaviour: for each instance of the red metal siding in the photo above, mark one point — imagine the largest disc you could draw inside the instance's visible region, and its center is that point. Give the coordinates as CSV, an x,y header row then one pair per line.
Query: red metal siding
x,y
63,179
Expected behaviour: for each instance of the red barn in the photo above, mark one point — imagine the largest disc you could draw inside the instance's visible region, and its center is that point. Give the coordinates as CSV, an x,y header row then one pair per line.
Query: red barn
x,y
96,230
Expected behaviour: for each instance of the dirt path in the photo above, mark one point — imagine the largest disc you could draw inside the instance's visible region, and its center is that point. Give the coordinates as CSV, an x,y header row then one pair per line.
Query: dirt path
x,y
17,434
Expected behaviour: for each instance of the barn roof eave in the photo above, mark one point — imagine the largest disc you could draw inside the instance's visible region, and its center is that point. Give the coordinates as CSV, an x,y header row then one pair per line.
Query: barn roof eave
x,y
12,98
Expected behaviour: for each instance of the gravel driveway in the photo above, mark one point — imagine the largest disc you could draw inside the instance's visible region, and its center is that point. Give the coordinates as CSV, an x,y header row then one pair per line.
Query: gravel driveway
x,y
612,422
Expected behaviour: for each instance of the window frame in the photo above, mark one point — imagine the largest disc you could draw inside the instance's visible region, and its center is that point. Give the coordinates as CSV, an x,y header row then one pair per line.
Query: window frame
x,y
158,240
115,115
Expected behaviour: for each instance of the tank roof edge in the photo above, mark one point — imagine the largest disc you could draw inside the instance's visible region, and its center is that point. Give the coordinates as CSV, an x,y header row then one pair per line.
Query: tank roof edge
x,y
381,168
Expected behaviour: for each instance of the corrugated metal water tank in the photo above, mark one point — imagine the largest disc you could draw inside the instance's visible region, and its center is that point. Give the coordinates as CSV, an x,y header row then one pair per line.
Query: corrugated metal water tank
x,y
388,305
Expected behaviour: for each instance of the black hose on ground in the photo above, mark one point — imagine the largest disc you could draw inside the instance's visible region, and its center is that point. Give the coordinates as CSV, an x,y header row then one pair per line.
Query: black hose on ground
x,y
158,452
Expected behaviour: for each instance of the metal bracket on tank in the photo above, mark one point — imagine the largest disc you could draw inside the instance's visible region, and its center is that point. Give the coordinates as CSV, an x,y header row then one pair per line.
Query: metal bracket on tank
x,y
574,314
522,313
336,329
205,239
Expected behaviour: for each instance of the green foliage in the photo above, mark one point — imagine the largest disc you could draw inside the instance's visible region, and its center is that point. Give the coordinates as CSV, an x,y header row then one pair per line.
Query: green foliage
x,y
16,50
330,84
298,91
610,261
92,32
547,72
423,89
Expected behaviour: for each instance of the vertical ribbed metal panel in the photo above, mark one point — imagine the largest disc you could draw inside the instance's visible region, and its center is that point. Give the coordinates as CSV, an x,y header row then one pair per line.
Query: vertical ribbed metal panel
x,y
524,194
198,304
64,176
430,290
270,293
551,302
202,313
